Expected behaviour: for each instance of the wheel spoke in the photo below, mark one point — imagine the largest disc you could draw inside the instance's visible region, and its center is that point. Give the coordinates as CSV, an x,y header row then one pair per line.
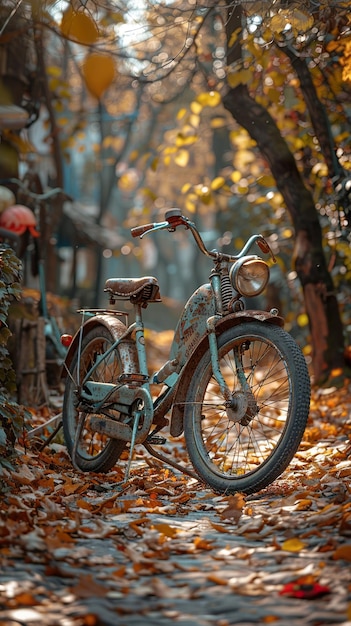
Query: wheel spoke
x,y
94,450
238,443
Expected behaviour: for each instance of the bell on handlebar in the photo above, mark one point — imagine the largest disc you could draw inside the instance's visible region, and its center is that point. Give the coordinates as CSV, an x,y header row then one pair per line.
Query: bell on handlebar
x,y
174,218
172,213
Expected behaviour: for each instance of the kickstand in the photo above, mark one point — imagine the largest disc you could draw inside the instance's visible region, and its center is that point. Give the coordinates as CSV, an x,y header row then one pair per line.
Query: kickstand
x,y
76,441
131,449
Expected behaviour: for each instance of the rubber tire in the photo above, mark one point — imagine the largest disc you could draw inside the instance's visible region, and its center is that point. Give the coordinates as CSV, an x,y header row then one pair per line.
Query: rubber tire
x,y
111,449
298,383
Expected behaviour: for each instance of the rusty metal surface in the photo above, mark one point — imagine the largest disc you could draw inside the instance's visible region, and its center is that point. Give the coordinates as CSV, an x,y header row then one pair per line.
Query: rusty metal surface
x,y
191,326
234,319
127,350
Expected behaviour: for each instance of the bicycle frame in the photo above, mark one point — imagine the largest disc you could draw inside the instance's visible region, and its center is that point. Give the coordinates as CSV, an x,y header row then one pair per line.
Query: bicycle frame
x,y
237,387
197,315
196,329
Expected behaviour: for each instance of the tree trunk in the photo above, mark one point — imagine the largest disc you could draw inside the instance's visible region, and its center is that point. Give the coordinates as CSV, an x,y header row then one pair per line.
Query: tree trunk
x,y
309,260
322,128
318,114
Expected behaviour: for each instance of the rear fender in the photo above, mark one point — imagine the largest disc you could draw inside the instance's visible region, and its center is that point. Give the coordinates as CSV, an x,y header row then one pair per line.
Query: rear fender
x,y
127,349
186,375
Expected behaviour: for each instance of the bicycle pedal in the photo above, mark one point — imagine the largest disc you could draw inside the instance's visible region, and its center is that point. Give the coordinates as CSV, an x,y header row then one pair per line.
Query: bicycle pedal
x,y
156,441
133,378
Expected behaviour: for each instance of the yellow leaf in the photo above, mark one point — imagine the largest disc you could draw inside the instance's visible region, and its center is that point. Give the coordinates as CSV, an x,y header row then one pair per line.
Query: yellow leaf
x,y
300,21
190,205
182,158
217,183
128,180
166,529
273,96
194,120
210,99
185,140
332,46
266,181
239,78
302,320
293,545
181,113
54,83
234,37
170,150
303,505
54,70
278,23
218,122
236,176
185,188
196,107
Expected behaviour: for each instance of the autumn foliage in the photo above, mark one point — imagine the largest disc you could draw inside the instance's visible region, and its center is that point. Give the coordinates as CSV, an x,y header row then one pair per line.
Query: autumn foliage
x,y
162,539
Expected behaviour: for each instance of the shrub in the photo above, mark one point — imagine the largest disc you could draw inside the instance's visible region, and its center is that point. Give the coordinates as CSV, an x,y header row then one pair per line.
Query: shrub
x,y
11,414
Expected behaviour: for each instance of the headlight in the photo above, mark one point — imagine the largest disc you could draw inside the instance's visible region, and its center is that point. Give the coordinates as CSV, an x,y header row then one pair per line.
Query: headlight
x,y
249,276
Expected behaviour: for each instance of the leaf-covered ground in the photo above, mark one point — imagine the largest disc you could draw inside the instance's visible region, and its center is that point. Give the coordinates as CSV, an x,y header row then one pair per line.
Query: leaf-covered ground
x,y
78,549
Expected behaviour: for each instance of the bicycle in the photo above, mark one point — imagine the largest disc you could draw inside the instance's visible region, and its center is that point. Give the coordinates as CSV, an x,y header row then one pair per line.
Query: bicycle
x,y
55,352
236,383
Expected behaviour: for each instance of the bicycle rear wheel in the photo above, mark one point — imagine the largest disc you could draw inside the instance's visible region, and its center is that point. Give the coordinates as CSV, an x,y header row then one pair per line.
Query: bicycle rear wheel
x,y
246,442
95,452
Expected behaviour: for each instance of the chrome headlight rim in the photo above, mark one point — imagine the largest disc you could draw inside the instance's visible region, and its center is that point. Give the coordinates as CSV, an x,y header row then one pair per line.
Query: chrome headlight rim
x,y
237,276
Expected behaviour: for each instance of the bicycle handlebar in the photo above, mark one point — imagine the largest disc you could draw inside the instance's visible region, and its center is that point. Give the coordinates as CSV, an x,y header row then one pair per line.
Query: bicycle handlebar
x,y
174,218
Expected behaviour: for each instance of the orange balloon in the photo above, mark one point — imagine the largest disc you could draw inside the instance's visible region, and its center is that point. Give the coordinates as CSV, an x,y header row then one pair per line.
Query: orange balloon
x,y
99,72
79,26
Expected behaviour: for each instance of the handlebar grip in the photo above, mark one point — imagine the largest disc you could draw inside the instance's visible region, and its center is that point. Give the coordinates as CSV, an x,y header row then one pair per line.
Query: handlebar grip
x,y
140,230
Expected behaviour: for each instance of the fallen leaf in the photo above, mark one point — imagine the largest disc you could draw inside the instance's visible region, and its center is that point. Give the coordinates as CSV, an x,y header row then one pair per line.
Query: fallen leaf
x,y
87,587
343,552
166,529
235,507
220,528
304,590
202,544
293,545
212,578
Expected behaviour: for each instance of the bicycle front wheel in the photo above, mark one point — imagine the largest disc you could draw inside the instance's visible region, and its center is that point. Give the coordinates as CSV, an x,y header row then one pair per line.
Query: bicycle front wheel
x,y
244,442
94,452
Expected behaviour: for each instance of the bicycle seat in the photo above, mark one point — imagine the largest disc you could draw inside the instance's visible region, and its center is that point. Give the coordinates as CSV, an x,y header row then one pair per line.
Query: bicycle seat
x,y
138,290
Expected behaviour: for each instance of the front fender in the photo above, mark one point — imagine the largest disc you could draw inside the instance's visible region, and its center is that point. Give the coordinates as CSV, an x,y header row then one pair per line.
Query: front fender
x,y
177,418
127,349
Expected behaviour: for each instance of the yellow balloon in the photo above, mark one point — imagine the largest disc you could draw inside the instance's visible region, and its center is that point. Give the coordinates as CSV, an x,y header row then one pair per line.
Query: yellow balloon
x,y
99,72
79,26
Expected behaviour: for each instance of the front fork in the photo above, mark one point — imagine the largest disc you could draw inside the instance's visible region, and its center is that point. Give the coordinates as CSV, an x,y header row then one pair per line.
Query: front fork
x,y
217,279
212,338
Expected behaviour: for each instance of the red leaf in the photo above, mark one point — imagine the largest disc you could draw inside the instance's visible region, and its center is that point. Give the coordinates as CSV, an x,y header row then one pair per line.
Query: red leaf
x,y
304,591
